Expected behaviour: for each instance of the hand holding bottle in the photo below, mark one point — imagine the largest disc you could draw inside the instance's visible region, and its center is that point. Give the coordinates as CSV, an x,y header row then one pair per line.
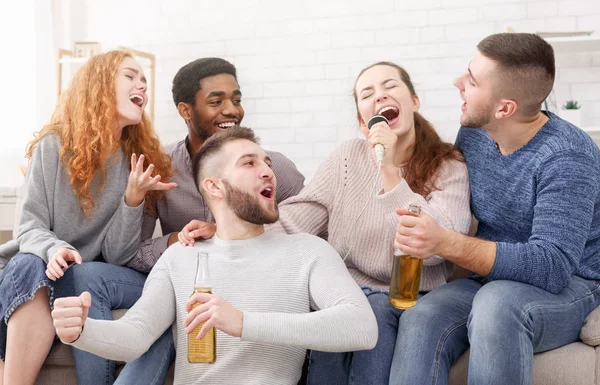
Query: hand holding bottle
x,y
419,236
215,312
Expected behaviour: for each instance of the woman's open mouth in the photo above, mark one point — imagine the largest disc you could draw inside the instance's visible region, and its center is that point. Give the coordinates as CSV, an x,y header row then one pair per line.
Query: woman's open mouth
x,y
391,113
136,99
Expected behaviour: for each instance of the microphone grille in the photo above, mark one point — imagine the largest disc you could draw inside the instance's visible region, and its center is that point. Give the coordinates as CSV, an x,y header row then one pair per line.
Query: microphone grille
x,y
376,119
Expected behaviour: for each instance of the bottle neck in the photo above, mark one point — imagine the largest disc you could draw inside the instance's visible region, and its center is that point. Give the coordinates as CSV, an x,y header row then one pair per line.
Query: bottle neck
x,y
202,280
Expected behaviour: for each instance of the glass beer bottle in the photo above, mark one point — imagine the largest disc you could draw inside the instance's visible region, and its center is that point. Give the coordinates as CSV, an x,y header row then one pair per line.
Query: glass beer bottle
x,y
205,349
406,275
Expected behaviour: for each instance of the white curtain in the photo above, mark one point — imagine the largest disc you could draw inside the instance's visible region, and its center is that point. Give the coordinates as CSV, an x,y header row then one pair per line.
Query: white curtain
x,y
26,79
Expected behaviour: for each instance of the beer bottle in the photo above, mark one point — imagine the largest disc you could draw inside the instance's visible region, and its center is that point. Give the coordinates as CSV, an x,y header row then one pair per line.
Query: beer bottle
x,y
406,275
205,349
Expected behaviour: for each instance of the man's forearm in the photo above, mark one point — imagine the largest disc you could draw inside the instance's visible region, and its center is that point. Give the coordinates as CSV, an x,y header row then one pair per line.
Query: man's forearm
x,y
471,253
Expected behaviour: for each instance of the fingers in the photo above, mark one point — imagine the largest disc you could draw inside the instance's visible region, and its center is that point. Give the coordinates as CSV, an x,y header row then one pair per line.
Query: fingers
x,y
133,161
53,269
68,318
67,302
146,174
60,313
186,233
195,311
184,239
193,225
195,229
86,302
402,212
86,299
197,297
205,232
72,255
207,326
51,273
404,248
380,126
62,261
165,186
193,323
139,166
408,221
381,131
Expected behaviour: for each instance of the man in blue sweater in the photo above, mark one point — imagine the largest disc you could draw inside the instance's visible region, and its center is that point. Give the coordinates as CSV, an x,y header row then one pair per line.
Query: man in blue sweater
x,y
535,185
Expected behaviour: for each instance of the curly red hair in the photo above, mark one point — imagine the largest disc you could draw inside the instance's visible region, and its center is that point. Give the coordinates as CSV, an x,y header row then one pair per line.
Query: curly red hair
x,y
84,119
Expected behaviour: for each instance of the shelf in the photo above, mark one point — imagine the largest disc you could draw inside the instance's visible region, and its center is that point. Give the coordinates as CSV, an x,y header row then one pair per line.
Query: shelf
x,y
575,43
69,59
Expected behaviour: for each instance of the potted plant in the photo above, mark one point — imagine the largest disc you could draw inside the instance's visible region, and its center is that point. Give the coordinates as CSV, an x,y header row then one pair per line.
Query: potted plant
x,y
571,112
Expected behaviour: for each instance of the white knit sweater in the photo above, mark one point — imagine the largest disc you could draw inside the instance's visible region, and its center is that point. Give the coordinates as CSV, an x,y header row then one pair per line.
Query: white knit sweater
x,y
275,279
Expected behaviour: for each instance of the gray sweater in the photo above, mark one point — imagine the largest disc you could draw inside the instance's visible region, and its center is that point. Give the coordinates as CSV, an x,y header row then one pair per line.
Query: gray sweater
x,y
274,279
51,217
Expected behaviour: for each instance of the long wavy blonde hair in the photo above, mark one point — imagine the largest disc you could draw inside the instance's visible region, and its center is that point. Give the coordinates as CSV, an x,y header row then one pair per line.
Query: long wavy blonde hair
x,y
85,120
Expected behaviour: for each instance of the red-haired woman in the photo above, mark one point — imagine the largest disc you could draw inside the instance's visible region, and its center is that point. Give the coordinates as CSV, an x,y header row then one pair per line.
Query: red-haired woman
x,y
86,188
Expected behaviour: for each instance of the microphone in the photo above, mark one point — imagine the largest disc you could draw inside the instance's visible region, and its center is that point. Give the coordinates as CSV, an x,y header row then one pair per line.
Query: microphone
x,y
378,147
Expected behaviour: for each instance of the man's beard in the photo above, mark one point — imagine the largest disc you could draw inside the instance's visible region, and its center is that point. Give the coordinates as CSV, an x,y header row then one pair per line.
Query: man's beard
x,y
202,132
477,119
248,208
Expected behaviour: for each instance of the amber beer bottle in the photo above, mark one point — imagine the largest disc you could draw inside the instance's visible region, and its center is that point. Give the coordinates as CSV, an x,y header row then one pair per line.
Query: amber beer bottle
x,y
406,275
205,349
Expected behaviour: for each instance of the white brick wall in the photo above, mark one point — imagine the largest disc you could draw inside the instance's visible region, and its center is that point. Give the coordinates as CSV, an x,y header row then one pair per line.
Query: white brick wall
x,y
297,60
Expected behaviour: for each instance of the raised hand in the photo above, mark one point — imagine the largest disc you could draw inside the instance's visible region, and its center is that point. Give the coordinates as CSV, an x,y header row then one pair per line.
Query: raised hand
x,y
69,316
141,181
61,261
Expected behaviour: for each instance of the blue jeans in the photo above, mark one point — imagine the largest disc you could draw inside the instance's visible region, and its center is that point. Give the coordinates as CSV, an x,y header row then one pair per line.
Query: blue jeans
x,y
116,287
362,367
21,278
504,323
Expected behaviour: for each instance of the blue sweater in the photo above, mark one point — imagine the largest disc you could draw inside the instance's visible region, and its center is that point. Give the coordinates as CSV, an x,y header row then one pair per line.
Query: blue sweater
x,y
540,204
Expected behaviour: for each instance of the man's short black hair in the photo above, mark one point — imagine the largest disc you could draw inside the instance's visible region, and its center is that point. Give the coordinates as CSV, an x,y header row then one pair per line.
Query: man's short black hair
x,y
186,82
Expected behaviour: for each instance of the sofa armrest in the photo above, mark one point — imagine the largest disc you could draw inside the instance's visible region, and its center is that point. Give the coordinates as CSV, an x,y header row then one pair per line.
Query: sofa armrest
x,y
590,332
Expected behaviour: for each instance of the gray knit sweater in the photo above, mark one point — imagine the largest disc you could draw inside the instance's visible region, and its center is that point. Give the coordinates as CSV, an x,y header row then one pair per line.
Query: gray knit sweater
x,y
51,217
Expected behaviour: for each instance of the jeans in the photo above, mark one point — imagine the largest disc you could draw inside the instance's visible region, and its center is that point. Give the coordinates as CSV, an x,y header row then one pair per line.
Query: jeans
x,y
115,287
362,367
21,278
503,322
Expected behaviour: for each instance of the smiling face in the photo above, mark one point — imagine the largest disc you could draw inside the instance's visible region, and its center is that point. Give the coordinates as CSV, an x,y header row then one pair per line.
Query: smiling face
x,y
249,182
217,107
130,85
380,90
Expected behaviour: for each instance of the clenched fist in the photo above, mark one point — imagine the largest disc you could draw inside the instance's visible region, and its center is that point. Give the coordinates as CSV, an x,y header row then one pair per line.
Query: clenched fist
x,y
69,316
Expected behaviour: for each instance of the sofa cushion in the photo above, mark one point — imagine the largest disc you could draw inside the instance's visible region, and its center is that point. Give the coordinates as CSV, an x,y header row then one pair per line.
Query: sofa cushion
x,y
590,333
573,364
